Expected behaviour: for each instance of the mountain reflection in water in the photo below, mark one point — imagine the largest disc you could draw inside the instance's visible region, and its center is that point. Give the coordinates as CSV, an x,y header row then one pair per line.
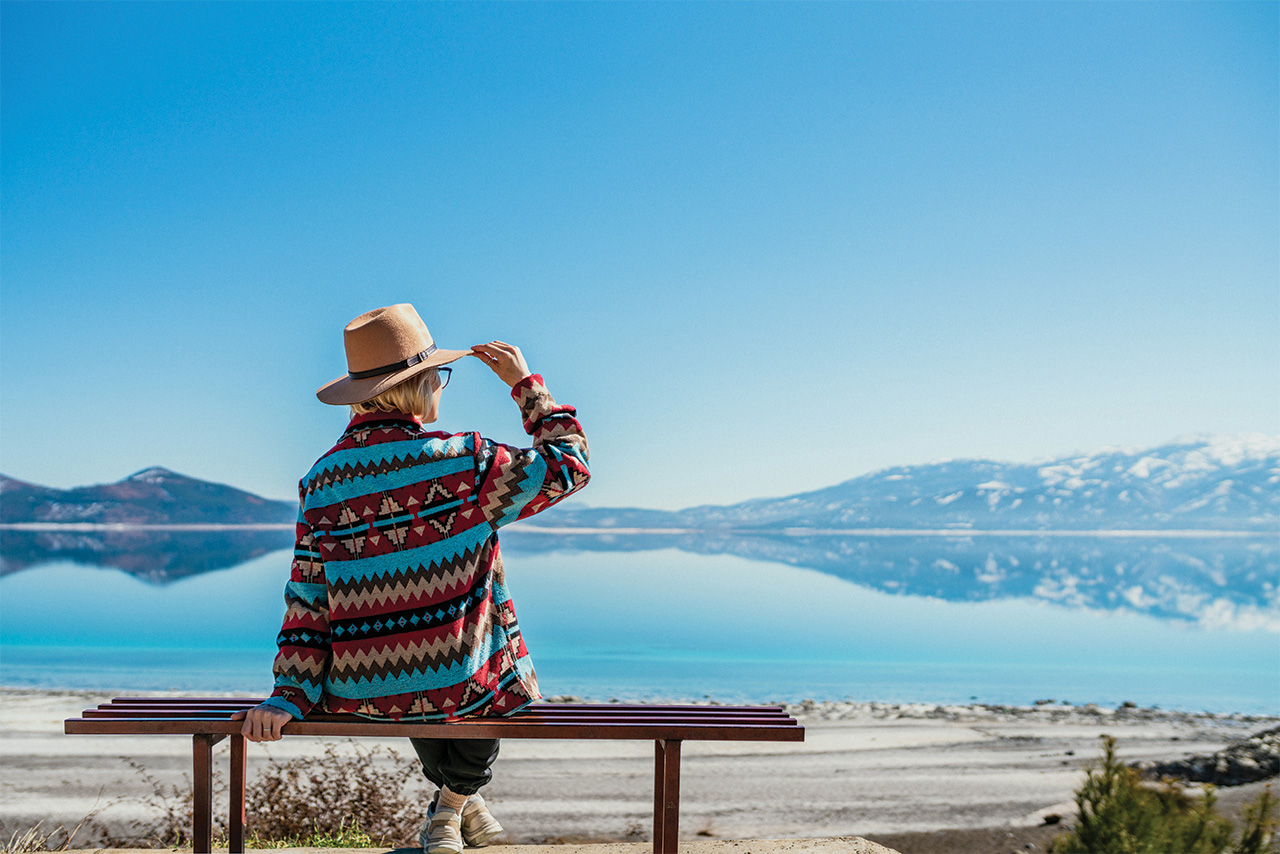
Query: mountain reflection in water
x,y
1226,582
1214,580
157,557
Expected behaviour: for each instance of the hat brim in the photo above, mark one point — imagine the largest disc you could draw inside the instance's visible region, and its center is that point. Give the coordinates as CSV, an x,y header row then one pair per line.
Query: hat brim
x,y
345,391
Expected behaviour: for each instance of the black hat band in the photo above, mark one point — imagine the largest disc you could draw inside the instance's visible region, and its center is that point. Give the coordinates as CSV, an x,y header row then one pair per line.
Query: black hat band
x,y
391,369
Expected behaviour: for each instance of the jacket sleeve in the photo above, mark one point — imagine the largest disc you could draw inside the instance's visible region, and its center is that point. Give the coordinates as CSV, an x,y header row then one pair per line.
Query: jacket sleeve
x,y
303,657
515,482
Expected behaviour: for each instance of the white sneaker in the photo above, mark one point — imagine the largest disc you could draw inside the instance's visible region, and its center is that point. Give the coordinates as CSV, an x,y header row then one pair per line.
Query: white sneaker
x,y
479,827
441,833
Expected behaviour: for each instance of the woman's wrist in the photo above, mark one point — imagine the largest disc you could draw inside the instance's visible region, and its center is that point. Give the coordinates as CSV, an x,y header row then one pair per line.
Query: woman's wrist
x,y
526,381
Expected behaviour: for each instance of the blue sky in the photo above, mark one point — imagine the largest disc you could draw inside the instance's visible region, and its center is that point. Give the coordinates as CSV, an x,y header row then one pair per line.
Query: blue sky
x,y
762,247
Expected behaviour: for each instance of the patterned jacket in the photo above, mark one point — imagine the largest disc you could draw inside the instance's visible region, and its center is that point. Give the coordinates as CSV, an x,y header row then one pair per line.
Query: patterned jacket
x,y
396,601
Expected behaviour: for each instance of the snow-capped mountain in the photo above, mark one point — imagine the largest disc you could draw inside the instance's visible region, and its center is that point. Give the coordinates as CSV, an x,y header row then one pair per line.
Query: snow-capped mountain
x,y
153,496
1211,482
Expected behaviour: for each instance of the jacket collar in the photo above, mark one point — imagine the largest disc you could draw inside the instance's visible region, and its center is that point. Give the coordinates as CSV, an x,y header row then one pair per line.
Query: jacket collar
x,y
407,419
357,420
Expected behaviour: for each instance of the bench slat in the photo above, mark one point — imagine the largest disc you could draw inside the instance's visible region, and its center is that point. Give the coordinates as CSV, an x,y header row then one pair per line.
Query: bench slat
x,y
722,711
471,728
247,702
522,720
525,712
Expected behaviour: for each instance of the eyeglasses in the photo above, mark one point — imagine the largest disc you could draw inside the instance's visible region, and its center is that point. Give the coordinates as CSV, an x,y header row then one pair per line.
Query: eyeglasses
x,y
444,374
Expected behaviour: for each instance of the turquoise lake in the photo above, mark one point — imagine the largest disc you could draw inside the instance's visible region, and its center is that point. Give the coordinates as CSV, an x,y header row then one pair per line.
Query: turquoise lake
x,y
666,623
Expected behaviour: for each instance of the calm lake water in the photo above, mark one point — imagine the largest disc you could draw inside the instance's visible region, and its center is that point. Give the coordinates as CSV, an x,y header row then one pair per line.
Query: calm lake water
x,y
665,623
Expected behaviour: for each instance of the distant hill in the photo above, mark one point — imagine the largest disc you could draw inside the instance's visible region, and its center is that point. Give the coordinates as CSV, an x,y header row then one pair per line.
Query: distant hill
x,y
153,496
1214,482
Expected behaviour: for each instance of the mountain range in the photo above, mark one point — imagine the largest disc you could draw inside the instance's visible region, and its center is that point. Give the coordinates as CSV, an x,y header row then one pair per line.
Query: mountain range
x,y
1229,483
1225,483
1218,484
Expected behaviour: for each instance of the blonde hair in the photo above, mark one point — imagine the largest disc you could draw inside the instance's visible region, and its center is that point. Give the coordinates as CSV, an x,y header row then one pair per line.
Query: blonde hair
x,y
412,396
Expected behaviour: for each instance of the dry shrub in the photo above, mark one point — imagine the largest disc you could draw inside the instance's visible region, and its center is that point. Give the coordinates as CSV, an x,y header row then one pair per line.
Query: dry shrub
x,y
332,794
34,839
327,801
173,805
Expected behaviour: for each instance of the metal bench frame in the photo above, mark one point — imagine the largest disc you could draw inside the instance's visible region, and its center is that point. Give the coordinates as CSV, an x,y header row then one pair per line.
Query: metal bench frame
x,y
206,720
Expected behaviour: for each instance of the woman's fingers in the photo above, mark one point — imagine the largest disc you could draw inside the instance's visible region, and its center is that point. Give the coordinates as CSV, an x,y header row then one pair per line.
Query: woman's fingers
x,y
486,357
242,715
503,359
262,723
498,350
495,352
498,346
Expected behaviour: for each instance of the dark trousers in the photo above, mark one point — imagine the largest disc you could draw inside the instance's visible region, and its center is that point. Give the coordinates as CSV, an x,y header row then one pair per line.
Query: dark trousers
x,y
462,764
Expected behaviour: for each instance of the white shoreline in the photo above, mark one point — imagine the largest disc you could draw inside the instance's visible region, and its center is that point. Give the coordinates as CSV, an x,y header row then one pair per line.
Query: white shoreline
x,y
910,532
803,709
1024,532
1122,533
103,526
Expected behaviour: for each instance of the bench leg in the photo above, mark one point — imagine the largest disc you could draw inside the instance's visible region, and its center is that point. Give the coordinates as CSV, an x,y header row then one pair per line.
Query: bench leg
x,y
666,796
235,823
202,794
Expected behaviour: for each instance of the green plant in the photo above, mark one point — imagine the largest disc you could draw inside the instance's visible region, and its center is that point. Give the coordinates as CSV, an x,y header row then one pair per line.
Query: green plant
x,y
1118,814
348,835
1259,824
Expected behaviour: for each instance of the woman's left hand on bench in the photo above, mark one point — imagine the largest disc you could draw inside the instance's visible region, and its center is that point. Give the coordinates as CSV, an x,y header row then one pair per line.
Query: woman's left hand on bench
x,y
262,723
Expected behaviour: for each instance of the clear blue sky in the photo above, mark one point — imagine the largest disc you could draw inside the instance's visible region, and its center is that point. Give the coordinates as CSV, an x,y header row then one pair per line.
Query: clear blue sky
x,y
762,247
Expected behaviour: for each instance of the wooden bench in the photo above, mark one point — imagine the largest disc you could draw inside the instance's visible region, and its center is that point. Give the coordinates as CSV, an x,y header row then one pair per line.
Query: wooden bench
x,y
207,720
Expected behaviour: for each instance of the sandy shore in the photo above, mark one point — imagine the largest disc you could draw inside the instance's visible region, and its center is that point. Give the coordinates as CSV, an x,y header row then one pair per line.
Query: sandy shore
x,y
896,773
841,845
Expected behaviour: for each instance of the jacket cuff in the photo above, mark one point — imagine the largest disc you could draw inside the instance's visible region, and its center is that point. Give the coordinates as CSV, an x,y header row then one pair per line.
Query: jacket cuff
x,y
518,390
278,701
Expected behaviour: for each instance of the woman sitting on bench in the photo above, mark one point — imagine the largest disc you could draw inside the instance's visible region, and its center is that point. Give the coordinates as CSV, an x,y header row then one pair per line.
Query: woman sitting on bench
x,y
397,607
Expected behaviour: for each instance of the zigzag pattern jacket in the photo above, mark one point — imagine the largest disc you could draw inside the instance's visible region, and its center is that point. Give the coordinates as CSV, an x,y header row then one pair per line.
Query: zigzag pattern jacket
x,y
397,607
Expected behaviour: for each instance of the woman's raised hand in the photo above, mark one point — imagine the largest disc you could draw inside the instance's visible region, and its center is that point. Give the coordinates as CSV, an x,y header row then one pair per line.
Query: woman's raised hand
x,y
504,359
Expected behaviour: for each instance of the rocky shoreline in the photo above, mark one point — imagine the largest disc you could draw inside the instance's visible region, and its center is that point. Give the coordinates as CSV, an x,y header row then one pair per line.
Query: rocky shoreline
x,y
1247,761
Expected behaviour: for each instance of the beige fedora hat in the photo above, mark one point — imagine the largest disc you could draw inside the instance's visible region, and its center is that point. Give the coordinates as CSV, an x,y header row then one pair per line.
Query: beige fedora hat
x,y
385,347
